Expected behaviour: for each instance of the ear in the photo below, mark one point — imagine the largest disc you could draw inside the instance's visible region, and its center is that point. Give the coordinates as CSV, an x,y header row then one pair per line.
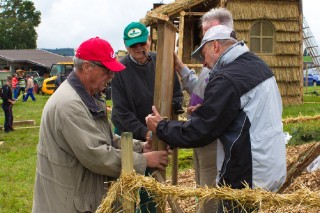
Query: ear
x,y
216,46
86,67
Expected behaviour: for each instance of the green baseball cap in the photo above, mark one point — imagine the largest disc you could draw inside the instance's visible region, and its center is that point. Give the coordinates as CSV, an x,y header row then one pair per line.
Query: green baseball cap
x,y
135,33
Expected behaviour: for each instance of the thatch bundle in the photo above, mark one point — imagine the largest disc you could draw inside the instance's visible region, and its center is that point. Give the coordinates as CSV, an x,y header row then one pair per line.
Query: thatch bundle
x,y
301,119
287,49
128,185
283,74
292,89
274,10
288,37
171,9
283,61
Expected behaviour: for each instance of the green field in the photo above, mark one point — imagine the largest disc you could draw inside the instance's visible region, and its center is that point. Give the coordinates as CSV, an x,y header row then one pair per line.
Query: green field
x,y
18,151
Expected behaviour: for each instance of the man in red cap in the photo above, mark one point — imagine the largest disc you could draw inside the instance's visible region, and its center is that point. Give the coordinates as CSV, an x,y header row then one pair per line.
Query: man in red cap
x,y
77,152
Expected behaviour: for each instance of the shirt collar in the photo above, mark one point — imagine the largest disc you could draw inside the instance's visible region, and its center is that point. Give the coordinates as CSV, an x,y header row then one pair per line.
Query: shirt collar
x,y
88,100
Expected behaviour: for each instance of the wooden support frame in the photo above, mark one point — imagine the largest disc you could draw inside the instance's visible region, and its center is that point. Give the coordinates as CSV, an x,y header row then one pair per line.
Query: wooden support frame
x,y
164,79
127,164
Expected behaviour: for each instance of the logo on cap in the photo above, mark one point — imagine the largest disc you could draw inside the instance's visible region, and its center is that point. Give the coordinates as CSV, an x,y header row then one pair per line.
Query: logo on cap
x,y
135,32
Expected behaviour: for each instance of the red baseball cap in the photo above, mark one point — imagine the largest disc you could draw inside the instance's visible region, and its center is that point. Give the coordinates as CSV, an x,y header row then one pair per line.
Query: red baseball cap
x,y
97,49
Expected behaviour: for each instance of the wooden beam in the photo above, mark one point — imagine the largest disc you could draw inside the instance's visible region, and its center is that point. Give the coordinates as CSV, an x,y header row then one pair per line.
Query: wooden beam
x,y
194,65
296,168
194,13
181,30
164,79
127,164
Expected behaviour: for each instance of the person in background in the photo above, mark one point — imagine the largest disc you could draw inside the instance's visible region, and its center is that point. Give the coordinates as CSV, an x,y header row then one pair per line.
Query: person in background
x,y
29,88
205,158
133,91
77,154
242,107
7,103
22,85
15,86
59,80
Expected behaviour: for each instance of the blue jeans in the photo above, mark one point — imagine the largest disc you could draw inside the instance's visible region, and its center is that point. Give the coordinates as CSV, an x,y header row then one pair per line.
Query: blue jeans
x,y
29,93
16,92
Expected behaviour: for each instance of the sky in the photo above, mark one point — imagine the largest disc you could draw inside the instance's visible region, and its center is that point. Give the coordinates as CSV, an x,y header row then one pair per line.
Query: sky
x,y
67,23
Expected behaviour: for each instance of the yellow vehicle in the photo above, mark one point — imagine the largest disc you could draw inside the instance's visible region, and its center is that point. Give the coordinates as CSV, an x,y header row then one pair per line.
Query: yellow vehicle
x,y
61,70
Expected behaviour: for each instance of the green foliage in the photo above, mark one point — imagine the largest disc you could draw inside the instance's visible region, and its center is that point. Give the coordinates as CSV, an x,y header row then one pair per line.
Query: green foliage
x,y
18,158
62,51
18,19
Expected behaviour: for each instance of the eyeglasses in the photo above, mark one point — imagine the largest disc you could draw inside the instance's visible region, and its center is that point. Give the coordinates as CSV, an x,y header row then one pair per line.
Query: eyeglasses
x,y
109,72
136,44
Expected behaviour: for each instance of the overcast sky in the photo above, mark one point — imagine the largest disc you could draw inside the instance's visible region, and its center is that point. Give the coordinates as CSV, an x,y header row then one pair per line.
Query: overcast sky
x,y
67,23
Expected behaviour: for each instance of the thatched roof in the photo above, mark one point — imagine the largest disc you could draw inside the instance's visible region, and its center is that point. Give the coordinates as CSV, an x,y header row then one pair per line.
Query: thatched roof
x,y
171,9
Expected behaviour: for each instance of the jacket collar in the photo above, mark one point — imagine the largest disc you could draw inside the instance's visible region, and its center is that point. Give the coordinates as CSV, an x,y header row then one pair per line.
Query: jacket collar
x,y
89,101
231,54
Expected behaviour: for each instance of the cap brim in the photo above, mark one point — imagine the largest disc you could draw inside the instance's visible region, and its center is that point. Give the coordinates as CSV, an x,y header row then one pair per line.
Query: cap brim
x,y
197,53
132,41
114,66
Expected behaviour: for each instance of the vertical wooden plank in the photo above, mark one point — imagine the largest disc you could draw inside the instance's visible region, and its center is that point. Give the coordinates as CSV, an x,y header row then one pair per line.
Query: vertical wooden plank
x,y
127,164
175,154
181,30
164,80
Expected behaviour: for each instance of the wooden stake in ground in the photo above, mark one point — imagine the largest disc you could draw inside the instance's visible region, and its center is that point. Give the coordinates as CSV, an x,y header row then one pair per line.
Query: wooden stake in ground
x,y
164,80
127,164
304,160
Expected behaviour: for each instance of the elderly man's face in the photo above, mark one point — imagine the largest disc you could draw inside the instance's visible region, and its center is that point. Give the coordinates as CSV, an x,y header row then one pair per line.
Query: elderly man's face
x,y
210,54
138,51
98,77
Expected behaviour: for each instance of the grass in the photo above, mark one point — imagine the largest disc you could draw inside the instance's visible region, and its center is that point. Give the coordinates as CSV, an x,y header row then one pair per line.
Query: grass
x,y
18,152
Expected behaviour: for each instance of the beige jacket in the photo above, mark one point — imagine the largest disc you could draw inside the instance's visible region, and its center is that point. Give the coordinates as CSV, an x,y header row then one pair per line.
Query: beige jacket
x,y
76,154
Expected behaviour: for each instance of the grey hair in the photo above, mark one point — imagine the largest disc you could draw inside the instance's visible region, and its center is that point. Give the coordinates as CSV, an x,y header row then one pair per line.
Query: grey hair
x,y
221,14
77,63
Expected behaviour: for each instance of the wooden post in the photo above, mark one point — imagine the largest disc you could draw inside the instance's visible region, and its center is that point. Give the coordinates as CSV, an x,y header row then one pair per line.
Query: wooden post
x,y
175,154
181,29
307,79
164,79
296,168
127,164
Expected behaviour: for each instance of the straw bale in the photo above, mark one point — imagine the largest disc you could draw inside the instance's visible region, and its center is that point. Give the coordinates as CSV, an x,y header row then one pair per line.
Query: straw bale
x,y
286,26
291,89
242,35
253,9
292,100
279,25
286,48
128,185
281,60
283,74
288,37
300,119
291,34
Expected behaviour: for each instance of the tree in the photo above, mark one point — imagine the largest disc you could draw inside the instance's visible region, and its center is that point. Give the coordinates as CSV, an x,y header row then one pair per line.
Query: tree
x,y
18,20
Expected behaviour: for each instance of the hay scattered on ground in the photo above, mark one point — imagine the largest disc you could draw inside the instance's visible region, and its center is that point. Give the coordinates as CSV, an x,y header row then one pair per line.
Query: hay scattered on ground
x,y
128,185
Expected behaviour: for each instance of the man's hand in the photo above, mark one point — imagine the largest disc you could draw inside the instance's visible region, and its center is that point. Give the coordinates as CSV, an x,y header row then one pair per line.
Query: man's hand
x,y
178,65
191,109
152,120
157,159
147,147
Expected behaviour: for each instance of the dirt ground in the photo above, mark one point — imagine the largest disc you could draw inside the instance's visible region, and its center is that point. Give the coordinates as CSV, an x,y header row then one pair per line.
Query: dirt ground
x,y
309,180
